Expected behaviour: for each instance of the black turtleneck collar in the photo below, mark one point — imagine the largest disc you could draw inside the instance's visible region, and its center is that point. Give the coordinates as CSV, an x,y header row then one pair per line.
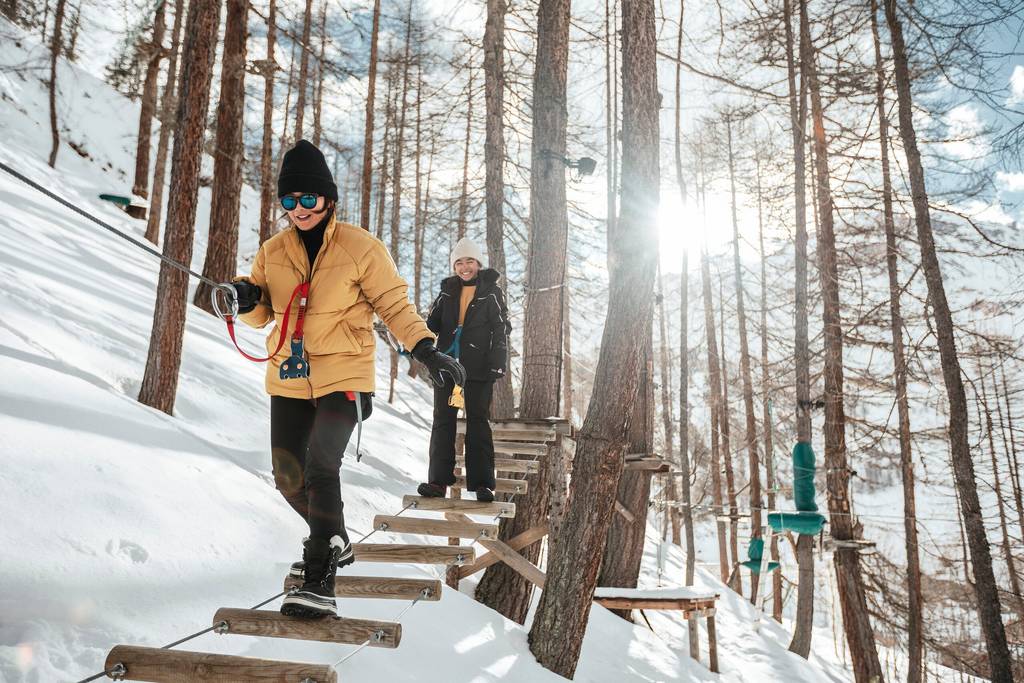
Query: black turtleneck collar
x,y
313,238
470,283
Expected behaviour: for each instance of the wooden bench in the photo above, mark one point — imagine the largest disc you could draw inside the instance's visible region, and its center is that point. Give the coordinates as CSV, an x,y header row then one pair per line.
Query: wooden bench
x,y
690,602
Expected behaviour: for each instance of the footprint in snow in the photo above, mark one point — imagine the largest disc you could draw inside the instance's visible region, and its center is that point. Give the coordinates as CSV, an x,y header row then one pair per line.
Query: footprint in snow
x,y
128,550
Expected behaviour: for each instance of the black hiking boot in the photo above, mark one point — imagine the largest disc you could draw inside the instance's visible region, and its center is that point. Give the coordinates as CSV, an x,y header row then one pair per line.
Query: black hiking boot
x,y
316,597
484,494
298,569
432,490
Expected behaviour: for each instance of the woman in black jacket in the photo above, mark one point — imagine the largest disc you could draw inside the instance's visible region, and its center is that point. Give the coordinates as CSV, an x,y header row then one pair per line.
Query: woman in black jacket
x,y
470,319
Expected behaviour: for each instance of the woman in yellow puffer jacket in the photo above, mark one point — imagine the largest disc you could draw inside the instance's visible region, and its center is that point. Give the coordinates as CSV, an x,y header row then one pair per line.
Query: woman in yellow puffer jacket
x,y
317,399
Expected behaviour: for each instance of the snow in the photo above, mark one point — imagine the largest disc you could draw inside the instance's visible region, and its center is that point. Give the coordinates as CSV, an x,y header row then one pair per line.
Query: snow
x,y
126,525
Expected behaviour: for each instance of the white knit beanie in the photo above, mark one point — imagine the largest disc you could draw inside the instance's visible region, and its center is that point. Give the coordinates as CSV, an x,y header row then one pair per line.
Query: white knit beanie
x,y
467,248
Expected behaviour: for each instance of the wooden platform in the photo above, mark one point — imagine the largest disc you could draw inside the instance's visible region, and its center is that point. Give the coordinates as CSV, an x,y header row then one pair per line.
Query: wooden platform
x,y
160,666
468,507
379,587
691,603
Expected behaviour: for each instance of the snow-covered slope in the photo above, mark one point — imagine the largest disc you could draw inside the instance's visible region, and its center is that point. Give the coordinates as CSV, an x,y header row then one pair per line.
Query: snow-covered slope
x,y
121,524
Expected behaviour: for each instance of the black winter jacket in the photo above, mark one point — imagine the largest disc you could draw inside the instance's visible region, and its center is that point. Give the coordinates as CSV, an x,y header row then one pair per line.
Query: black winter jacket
x,y
483,347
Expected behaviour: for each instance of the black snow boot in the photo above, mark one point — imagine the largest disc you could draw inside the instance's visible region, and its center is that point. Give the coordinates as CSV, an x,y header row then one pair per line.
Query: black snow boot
x,y
298,569
484,494
316,597
432,490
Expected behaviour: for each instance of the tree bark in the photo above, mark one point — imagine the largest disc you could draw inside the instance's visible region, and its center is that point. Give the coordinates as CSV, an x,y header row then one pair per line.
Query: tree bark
x,y
667,411
222,243
385,169
561,619
300,101
804,622
754,465
501,588
371,88
418,191
915,619
168,104
724,420
160,381
503,406
985,589
567,406
267,176
154,53
464,194
852,600
55,50
318,101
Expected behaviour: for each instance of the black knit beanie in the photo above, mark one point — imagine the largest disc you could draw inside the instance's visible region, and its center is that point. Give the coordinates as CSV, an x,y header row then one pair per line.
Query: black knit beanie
x,y
304,169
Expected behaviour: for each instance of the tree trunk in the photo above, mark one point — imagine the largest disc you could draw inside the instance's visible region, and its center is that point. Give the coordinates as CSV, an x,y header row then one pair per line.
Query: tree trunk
x,y
567,406
168,104
856,620
288,99
464,194
724,425
267,176
385,170
1011,449
624,548
222,243
55,50
748,386
300,101
915,619
503,406
418,191
804,623
715,380
396,179
154,53
318,101
160,381
986,591
10,9
501,588
667,411
371,88
611,112
561,619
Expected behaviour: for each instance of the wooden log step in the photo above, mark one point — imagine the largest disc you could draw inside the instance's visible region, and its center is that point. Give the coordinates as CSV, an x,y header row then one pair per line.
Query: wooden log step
x,y
502,485
273,624
524,448
469,507
435,527
159,665
536,436
559,425
379,587
414,554
508,465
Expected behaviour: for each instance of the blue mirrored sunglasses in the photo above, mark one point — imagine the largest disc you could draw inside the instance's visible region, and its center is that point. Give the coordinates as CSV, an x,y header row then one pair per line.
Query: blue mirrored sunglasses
x,y
308,201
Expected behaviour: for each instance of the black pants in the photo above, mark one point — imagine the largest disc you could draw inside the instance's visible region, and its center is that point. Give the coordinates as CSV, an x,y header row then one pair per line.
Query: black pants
x,y
308,439
479,444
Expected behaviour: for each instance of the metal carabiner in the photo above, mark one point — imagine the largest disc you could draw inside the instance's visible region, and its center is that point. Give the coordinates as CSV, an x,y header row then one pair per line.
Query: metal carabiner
x,y
227,290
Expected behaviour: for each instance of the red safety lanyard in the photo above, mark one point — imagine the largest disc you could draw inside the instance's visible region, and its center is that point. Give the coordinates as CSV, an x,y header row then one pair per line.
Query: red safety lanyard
x,y
302,291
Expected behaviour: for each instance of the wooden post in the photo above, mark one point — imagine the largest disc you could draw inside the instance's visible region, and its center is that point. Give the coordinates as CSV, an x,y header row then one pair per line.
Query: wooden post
x,y
155,664
712,644
694,635
273,624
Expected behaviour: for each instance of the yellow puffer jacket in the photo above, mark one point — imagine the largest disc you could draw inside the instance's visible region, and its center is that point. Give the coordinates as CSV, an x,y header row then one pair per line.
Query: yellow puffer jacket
x,y
353,277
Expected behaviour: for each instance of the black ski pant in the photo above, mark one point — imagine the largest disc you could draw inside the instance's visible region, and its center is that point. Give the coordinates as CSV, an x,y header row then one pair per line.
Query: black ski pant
x,y
308,439
479,443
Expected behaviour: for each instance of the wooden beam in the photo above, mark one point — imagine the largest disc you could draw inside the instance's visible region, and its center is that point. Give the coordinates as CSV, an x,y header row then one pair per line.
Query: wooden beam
x,y
524,448
648,465
513,559
621,509
685,604
469,507
517,543
413,554
379,587
502,485
509,465
435,527
273,624
157,665
712,645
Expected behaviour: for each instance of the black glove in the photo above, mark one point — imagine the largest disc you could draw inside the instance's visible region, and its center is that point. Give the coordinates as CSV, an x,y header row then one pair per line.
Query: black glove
x,y
439,364
496,373
248,295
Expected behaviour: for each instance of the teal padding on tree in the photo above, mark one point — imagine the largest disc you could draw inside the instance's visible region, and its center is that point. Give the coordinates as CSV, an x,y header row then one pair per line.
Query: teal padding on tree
x,y
755,566
803,477
804,523
755,551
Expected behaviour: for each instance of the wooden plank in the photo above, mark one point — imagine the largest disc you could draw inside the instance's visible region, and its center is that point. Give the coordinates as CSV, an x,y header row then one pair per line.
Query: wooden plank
x,y
502,485
653,603
435,527
509,465
468,507
647,465
513,559
526,434
712,645
159,665
517,543
273,624
379,587
524,448
413,554
627,515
